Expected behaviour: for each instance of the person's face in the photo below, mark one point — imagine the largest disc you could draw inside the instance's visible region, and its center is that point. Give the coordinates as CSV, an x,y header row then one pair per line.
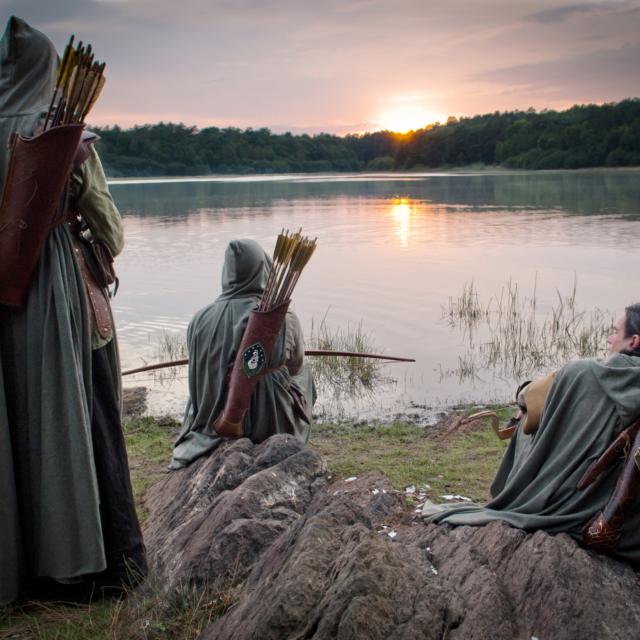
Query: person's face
x,y
618,342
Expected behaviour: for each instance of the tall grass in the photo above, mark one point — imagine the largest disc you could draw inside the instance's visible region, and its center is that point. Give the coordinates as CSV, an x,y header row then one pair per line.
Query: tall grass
x,y
517,337
345,377
466,308
170,346
154,614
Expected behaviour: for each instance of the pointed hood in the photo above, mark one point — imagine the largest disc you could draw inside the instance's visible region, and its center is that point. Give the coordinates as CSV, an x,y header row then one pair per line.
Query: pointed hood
x,y
246,269
28,66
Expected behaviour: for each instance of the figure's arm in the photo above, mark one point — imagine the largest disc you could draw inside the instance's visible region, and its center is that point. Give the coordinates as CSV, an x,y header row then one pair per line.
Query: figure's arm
x,y
96,204
294,343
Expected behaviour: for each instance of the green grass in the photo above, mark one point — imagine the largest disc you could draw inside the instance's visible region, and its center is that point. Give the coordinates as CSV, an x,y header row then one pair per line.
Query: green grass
x,y
182,616
149,445
53,621
461,462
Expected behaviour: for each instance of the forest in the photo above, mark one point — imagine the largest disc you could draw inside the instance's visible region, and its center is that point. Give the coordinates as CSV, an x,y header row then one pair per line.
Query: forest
x,y
583,136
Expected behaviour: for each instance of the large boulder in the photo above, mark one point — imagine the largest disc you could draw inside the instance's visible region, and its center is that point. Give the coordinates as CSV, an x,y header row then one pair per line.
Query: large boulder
x,y
350,560
215,518
333,576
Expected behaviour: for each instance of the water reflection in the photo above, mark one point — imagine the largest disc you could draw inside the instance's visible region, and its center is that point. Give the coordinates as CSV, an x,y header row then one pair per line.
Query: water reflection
x,y
402,210
584,192
391,252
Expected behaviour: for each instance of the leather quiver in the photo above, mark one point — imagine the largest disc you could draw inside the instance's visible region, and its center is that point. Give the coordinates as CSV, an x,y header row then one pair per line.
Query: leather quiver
x,y
32,204
249,366
604,531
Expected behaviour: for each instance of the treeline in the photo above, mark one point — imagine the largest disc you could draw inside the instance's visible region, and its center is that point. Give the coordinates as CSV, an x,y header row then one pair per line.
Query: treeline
x,y
583,136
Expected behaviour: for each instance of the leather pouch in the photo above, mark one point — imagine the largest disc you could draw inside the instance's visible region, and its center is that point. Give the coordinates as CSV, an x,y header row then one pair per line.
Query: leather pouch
x,y
100,262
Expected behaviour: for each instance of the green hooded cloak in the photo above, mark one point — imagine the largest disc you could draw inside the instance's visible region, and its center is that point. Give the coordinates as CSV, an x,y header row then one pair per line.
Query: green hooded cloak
x,y
49,505
589,403
213,337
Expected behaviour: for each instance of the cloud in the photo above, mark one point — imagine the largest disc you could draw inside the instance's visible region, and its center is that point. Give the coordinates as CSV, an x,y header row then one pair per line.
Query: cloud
x,y
310,65
559,14
602,75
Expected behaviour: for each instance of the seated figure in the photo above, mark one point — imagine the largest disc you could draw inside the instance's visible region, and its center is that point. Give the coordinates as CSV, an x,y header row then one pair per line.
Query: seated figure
x,y
538,485
284,395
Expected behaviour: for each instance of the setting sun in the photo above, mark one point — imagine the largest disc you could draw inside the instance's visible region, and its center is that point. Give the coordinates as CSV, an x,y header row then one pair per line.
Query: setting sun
x,y
407,117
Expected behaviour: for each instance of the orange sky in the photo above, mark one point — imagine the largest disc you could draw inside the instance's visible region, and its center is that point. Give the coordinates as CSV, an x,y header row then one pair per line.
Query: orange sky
x,y
346,65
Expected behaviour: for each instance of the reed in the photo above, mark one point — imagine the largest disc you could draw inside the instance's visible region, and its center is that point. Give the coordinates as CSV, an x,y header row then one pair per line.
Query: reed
x,y
520,339
466,308
345,378
170,347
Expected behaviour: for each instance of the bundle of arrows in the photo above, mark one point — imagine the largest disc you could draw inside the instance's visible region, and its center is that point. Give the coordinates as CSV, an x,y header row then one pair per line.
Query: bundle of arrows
x,y
290,256
78,85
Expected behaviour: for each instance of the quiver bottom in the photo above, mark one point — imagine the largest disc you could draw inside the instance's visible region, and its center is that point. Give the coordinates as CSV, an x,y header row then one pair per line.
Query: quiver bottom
x,y
604,531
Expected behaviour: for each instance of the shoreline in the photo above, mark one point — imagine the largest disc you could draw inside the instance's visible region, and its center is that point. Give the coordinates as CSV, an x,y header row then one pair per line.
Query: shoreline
x,y
135,405
336,175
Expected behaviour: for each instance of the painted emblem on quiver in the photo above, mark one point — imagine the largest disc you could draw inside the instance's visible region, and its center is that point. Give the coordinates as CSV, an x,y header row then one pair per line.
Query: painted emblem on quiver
x,y
253,360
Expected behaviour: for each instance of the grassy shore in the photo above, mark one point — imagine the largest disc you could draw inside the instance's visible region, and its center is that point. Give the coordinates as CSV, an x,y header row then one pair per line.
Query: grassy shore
x,y
448,458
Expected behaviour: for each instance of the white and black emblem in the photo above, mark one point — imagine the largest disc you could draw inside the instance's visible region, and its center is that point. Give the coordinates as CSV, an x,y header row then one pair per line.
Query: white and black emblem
x,y
253,360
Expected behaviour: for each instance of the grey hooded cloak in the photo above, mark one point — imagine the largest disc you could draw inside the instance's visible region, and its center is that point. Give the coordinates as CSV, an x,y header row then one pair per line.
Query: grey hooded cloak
x,y
589,403
213,337
51,508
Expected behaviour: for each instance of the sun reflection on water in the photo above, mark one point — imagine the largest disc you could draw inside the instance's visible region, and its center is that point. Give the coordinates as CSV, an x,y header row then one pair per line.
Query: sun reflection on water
x,y
402,210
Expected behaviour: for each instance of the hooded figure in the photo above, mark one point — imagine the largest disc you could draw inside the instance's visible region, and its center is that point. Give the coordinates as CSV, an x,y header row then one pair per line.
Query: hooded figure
x,y
213,337
66,508
589,403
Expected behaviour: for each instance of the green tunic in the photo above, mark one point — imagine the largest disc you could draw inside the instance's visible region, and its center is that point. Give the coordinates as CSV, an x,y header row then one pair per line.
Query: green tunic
x,y
589,402
49,505
213,337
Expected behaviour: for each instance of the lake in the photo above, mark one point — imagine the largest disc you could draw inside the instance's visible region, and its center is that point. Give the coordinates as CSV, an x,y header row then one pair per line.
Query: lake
x,y
394,252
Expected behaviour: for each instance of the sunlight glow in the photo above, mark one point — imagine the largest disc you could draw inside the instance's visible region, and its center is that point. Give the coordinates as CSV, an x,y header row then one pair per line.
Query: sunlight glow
x,y
407,117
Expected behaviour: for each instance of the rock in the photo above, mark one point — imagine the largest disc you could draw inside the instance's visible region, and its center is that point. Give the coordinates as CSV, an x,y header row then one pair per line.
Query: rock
x,y
216,517
134,401
332,576
373,493
312,560
532,584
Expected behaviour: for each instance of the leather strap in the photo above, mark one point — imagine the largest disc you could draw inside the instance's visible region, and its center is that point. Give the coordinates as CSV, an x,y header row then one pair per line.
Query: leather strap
x,y
96,296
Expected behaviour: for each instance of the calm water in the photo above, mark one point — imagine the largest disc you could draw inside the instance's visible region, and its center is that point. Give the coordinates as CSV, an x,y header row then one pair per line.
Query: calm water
x,y
392,251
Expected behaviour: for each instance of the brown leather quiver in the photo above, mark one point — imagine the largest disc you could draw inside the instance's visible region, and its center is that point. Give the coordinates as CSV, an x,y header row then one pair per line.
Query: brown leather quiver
x,y
249,366
604,531
32,204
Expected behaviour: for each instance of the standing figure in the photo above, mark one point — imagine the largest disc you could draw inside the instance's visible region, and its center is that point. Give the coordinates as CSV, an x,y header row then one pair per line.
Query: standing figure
x,y
68,519
283,397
